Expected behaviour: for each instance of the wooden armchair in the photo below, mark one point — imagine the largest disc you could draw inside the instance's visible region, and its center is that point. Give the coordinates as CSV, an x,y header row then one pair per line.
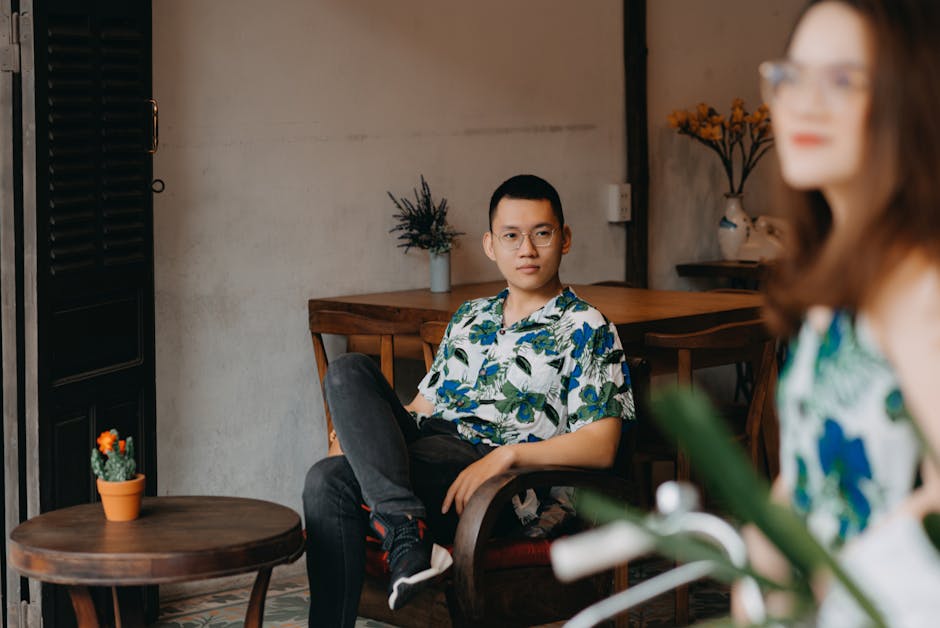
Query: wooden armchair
x,y
494,582
747,341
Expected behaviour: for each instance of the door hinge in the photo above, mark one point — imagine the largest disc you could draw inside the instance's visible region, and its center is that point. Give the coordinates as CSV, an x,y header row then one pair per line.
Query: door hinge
x,y
10,50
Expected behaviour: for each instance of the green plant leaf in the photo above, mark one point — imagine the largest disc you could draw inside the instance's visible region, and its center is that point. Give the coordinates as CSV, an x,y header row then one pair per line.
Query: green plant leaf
x,y
461,355
523,364
932,528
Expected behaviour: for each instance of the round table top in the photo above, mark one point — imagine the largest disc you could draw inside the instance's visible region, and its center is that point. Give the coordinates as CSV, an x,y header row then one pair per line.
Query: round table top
x,y
175,539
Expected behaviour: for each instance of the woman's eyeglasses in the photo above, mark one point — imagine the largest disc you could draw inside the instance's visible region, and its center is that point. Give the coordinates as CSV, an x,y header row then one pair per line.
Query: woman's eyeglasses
x,y
512,239
784,82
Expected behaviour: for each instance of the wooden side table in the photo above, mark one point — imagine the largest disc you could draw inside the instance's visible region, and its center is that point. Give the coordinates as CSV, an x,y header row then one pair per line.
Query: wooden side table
x,y
175,539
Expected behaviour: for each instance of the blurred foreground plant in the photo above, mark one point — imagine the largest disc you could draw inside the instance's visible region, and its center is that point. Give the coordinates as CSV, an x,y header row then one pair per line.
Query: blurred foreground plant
x,y
689,419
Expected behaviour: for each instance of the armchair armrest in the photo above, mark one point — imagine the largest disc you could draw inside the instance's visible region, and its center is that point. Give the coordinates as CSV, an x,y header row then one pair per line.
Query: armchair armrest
x,y
483,508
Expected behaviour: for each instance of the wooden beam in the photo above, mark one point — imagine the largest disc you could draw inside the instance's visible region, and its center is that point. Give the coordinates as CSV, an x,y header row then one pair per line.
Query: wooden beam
x,y
634,64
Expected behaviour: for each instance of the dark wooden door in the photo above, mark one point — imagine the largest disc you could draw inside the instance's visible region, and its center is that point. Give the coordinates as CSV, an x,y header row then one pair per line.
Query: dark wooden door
x,y
94,217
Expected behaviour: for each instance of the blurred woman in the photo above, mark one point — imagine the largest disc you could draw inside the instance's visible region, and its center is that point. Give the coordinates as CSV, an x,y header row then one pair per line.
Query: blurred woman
x,y
856,113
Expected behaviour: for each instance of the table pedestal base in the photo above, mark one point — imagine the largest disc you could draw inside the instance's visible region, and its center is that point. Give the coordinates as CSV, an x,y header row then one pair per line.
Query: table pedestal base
x,y
128,604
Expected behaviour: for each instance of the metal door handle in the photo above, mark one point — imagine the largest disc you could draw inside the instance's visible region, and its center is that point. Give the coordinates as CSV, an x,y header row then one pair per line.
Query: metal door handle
x,y
155,126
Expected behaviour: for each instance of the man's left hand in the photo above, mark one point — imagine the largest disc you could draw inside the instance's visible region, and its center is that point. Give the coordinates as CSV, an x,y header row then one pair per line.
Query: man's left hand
x,y
497,461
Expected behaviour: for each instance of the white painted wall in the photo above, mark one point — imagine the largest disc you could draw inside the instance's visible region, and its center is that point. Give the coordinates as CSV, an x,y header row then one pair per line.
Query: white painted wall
x,y
703,52
282,125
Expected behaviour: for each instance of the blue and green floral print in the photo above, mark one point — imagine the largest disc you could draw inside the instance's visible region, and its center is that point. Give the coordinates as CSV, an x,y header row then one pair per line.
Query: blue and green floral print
x,y
848,453
553,372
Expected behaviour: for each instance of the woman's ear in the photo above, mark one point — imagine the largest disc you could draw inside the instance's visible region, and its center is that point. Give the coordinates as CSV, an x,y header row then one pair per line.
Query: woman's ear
x,y
488,245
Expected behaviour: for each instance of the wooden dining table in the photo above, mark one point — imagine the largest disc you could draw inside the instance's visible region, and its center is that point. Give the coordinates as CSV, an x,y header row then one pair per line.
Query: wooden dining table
x,y
634,311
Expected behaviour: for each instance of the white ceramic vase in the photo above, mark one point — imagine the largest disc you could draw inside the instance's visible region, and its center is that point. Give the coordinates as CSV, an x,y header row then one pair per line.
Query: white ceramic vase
x,y
733,228
440,272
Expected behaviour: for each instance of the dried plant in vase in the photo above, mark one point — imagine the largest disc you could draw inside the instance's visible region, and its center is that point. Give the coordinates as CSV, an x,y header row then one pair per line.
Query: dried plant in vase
x,y
422,224
748,134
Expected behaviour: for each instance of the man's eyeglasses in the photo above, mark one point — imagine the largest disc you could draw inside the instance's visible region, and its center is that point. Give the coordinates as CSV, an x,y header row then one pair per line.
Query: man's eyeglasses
x,y
511,240
784,82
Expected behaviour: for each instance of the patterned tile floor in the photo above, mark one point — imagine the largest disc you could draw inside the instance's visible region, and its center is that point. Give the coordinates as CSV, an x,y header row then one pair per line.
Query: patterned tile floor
x,y
285,607
288,599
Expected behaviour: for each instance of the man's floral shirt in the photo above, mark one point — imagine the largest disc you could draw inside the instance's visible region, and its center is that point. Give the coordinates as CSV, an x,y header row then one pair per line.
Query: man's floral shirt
x,y
553,372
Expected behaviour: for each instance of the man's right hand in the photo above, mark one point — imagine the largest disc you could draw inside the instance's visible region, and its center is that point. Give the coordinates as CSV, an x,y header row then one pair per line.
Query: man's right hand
x,y
335,449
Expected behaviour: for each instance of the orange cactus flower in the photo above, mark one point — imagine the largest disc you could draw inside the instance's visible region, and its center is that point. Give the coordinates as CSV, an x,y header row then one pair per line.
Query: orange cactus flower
x,y
106,442
121,445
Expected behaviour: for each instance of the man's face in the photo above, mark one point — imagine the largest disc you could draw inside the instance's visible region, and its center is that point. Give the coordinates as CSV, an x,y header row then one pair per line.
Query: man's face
x,y
524,224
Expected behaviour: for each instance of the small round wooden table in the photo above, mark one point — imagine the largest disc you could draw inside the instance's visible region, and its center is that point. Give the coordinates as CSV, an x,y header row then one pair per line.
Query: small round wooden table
x,y
175,539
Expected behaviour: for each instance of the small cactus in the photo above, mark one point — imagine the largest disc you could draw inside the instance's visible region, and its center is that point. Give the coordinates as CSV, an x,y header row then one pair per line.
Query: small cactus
x,y
119,466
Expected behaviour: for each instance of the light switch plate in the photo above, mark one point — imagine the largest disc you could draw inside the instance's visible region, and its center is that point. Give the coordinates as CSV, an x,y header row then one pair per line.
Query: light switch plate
x,y
618,202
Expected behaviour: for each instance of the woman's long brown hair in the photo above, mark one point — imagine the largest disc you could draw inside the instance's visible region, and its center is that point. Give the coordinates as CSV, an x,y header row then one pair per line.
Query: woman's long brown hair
x,y
903,152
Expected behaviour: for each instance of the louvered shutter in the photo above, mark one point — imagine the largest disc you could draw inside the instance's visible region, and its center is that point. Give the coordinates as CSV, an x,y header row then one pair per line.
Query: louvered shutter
x,y
94,245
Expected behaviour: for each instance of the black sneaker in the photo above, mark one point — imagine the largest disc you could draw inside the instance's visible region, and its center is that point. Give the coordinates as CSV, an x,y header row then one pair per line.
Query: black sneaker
x,y
412,558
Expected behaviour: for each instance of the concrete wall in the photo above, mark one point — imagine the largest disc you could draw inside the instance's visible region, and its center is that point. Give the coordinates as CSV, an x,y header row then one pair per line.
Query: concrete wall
x,y
703,52
282,125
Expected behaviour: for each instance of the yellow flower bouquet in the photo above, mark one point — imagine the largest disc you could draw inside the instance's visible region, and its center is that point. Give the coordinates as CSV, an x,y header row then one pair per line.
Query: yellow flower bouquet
x,y
746,133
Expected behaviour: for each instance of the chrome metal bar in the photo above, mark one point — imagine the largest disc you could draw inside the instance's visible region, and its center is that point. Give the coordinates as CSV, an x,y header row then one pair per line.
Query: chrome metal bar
x,y
646,590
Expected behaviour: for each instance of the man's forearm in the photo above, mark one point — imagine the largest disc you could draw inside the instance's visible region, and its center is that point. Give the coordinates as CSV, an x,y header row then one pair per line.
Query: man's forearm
x,y
592,446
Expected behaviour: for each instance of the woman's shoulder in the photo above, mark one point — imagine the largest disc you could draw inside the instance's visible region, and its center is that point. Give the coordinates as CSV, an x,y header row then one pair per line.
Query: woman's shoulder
x,y
906,301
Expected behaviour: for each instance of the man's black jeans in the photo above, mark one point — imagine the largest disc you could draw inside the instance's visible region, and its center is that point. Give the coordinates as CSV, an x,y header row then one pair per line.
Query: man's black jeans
x,y
390,465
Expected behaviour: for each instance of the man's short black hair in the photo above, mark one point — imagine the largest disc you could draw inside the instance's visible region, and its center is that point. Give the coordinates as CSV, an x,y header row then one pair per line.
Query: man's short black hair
x,y
527,187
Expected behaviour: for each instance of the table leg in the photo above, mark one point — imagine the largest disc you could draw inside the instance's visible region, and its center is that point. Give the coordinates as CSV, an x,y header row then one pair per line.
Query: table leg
x,y
255,614
128,607
84,607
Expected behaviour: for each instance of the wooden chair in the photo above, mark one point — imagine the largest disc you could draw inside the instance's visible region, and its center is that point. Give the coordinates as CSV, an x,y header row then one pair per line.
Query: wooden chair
x,y
732,343
349,324
618,283
494,582
431,334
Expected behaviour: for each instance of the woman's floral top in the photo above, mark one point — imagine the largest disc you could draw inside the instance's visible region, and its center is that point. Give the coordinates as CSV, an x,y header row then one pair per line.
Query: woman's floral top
x,y
559,369
847,450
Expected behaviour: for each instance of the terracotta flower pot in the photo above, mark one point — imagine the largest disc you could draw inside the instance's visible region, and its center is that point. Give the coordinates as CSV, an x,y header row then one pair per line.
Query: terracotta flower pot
x,y
121,500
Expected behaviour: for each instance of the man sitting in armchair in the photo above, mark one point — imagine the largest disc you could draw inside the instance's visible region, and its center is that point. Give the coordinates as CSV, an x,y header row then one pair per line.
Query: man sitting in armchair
x,y
532,376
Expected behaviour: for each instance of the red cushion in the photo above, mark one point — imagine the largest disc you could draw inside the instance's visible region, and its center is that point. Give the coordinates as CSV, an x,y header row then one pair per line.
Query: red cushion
x,y
500,554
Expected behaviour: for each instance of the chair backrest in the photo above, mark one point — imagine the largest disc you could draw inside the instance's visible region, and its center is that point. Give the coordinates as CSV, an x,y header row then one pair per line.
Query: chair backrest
x,y
746,341
347,324
640,385
432,333
734,291
617,283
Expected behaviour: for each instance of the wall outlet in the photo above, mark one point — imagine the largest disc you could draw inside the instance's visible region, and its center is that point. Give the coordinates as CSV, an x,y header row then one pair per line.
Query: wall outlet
x,y
618,202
